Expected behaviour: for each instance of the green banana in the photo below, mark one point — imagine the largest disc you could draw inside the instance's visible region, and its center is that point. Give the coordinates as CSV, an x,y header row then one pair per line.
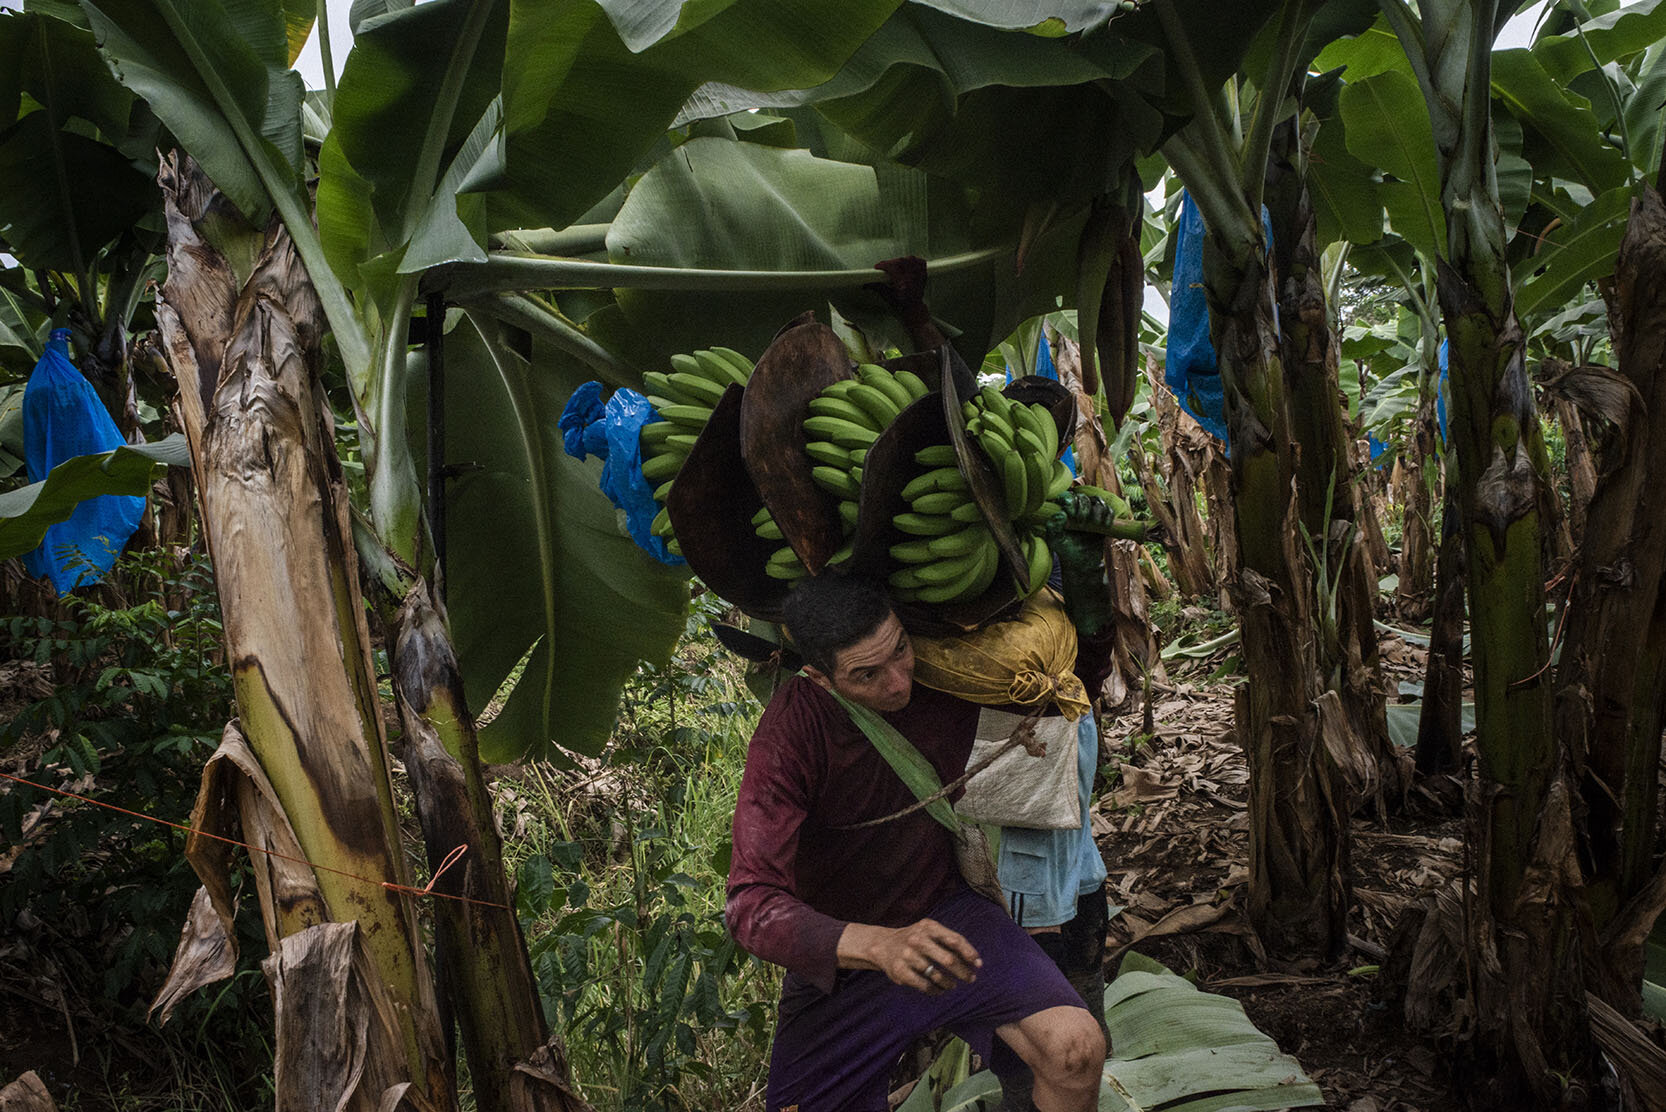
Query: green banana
x,y
721,368
1046,427
657,384
843,553
761,516
939,572
655,432
877,404
661,525
663,491
913,383
768,530
939,478
673,547
740,367
842,409
976,570
688,416
966,513
937,501
1040,564
848,511
683,441
834,481
905,578
700,389
958,544
886,383
937,455
1027,442
913,552
831,454
1014,481
1059,481
997,423
847,434
925,525
656,469
1038,471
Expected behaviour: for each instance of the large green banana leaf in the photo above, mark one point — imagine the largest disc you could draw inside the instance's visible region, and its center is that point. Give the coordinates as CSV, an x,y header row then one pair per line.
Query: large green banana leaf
x,y
1569,255
1022,116
26,513
219,78
1173,1047
1388,126
768,209
581,106
1603,39
66,189
1562,135
536,560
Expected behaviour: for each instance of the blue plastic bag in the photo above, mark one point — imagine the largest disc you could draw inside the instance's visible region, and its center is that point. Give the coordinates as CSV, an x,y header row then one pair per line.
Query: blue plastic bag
x,y
63,418
612,432
1189,368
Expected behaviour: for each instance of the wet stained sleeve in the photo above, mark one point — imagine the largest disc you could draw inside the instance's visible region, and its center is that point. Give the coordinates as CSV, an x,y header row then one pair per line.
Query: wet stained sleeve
x,y
764,912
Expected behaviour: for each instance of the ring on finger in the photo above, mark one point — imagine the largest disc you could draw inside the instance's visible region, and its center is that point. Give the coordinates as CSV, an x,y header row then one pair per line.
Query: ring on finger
x,y
930,970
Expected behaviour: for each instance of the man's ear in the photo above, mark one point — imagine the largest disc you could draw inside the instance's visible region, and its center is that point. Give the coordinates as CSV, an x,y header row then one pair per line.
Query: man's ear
x,y
817,676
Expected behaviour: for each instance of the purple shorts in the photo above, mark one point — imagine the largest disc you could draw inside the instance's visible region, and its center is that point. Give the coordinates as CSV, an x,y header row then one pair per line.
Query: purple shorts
x,y
834,1052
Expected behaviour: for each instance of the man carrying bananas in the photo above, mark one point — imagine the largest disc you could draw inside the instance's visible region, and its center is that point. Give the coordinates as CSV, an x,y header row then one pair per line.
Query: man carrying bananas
x,y
882,939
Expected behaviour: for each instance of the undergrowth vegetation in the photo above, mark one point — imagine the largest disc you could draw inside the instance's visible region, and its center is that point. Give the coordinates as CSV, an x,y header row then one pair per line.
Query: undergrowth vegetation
x,y
621,864
120,698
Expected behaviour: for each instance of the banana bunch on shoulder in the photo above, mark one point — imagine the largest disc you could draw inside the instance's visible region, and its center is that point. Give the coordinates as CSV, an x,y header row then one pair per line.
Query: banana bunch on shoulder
x,y
847,417
1022,443
852,412
950,554
684,400
784,563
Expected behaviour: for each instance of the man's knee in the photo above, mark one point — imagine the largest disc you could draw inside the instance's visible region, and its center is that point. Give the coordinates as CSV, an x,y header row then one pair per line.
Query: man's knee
x,y
1067,1047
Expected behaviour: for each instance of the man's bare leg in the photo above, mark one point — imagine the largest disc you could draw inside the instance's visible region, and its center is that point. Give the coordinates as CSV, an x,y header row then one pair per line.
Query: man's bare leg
x,y
1065,1049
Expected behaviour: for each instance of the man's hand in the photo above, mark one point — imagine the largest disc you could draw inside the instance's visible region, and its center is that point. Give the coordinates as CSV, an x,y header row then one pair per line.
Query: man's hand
x,y
925,955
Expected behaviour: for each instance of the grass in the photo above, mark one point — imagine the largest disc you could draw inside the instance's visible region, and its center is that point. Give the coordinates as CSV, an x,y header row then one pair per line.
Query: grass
x,y
621,863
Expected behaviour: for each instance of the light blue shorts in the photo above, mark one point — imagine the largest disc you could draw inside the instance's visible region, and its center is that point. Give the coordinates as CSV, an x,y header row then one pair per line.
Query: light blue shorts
x,y
1043,872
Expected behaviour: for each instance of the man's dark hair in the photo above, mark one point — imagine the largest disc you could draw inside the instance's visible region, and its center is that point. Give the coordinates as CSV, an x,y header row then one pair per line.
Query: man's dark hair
x,y
827,613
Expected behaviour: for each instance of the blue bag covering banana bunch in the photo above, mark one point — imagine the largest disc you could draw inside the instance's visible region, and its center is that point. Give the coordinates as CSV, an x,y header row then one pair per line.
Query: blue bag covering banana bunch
x,y
684,400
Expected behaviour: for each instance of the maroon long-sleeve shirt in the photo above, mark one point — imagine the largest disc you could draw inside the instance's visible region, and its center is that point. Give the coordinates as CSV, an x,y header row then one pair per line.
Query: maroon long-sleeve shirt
x,y
799,875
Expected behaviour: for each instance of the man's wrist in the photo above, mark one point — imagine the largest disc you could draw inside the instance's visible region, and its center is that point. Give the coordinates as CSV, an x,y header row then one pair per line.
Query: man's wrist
x,y
858,946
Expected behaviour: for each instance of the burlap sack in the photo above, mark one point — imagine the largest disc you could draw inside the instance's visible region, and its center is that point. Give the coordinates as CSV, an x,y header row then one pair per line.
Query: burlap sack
x,y
1026,661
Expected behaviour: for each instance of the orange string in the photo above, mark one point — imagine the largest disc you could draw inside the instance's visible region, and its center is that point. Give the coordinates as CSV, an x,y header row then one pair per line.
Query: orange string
x,y
427,890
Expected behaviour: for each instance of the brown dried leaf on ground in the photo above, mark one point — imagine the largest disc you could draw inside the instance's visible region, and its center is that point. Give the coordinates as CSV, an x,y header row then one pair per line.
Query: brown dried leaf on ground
x,y
26,1094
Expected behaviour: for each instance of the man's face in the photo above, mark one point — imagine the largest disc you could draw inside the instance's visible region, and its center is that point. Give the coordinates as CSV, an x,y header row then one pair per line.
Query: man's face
x,y
877,671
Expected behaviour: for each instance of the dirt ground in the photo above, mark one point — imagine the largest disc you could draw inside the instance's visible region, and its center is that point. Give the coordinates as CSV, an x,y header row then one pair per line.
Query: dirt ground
x,y
1173,832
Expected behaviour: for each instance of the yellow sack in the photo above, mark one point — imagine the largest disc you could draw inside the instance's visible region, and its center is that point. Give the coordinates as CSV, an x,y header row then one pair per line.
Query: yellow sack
x,y
1026,661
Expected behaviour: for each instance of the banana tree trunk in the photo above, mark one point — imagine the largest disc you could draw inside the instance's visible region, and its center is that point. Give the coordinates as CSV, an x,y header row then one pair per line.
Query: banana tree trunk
x,y
1526,993
1611,684
1440,722
1582,469
1326,485
1298,846
274,512
1414,594
1170,488
486,978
